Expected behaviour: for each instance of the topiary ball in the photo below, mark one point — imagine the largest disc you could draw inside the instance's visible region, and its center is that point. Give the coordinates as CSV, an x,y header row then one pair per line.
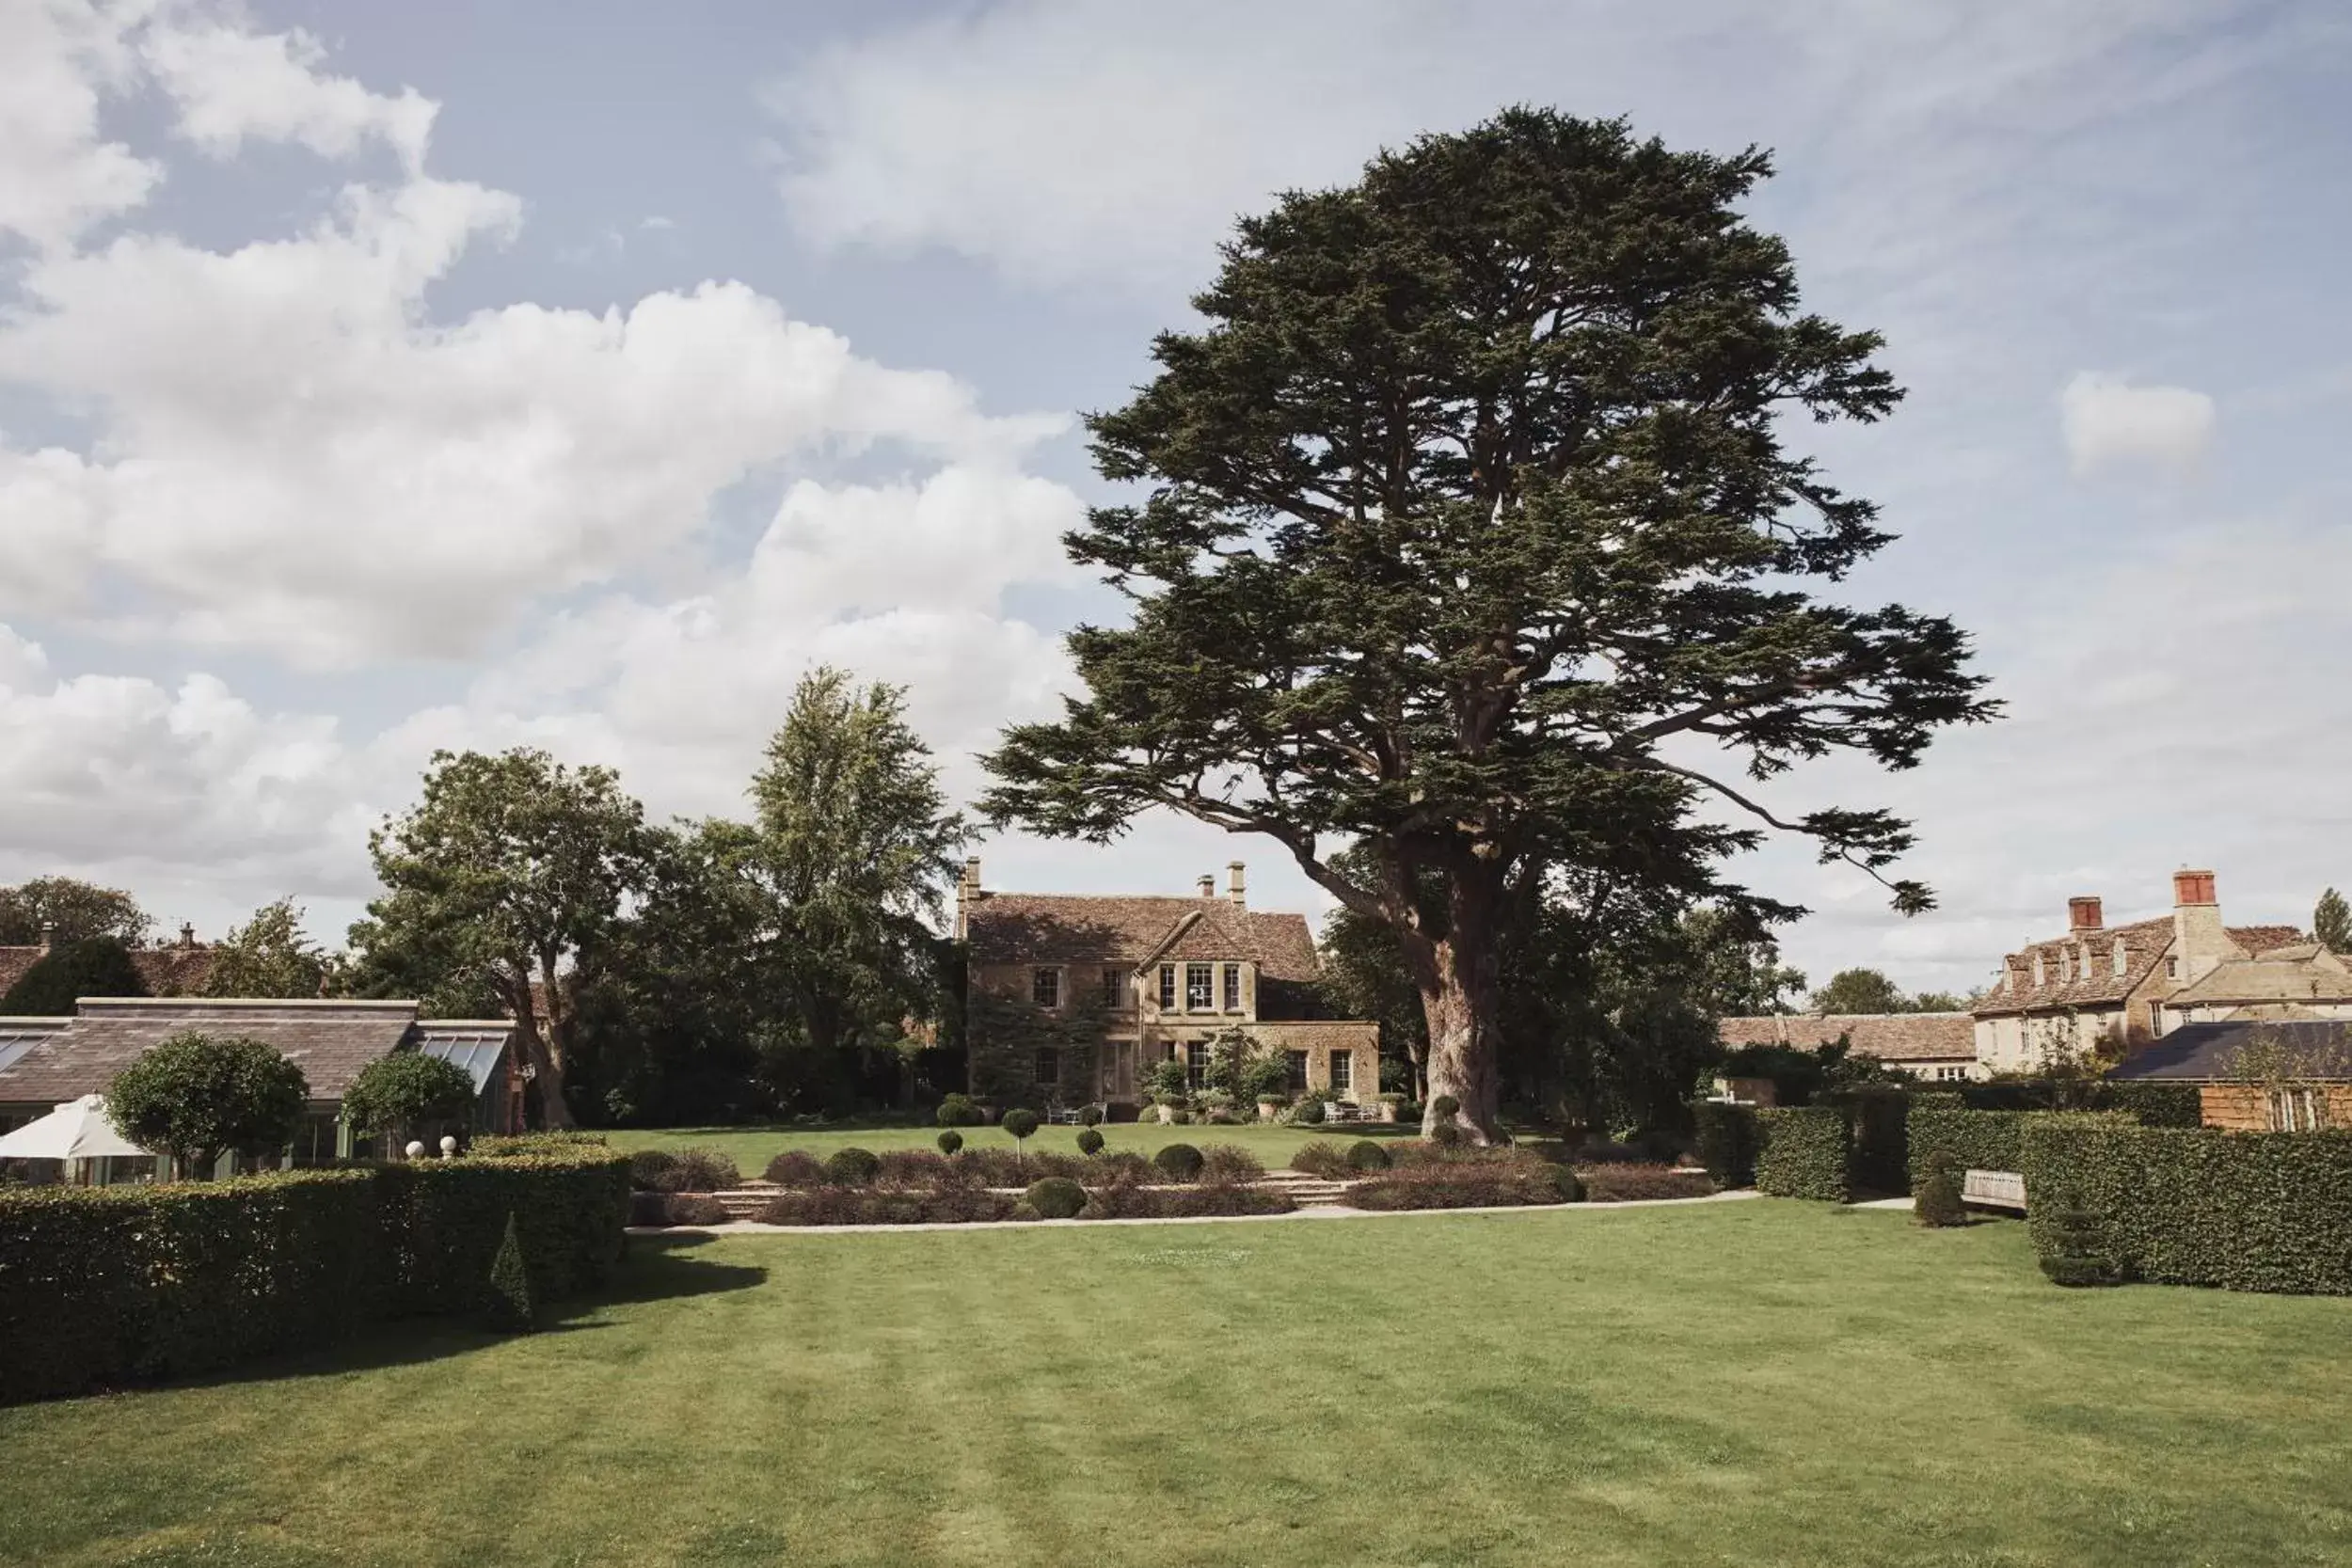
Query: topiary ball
x,y
1446,1107
1307,1112
1091,1115
950,1141
1180,1162
1056,1197
1445,1134
1366,1155
1089,1141
1018,1123
853,1168
957,1110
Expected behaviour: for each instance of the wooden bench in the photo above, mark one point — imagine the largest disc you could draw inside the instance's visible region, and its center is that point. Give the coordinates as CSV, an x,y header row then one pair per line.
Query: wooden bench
x,y
1994,1189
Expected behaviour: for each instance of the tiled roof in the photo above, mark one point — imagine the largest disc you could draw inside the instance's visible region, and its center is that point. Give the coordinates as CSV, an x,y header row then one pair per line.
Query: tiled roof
x,y
329,1040
2210,1052
168,971
2307,972
1885,1036
2145,943
1051,927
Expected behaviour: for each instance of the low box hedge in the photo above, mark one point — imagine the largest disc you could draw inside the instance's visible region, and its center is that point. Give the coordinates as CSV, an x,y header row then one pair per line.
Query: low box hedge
x,y
2267,1211
1804,1152
105,1286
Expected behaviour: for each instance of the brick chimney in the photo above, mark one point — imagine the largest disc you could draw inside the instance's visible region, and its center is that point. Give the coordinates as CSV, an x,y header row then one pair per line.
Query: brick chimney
x,y
2082,914
1208,886
2199,939
967,894
1233,884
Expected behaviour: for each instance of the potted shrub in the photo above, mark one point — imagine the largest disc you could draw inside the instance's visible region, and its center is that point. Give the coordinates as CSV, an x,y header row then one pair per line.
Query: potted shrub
x,y
1270,1106
1392,1106
1168,1087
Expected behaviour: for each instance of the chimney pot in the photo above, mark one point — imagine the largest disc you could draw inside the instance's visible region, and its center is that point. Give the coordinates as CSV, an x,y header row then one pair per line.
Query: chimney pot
x,y
48,934
2084,914
1233,884
1208,887
2192,887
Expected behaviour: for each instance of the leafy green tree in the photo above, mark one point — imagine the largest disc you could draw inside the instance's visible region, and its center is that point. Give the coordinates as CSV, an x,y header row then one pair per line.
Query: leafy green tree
x,y
75,911
406,1088
1937,1002
1859,991
2331,922
267,955
507,872
1471,536
198,1097
98,966
852,845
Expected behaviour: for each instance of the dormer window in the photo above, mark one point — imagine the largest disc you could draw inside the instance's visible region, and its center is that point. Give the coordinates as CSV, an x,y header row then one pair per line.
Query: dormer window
x,y
2040,974
2123,959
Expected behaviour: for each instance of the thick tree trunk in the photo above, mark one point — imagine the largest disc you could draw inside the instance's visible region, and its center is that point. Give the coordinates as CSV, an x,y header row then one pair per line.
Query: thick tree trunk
x,y
534,1033
1461,998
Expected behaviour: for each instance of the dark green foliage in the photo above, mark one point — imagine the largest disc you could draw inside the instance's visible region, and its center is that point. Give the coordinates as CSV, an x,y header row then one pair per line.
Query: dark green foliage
x,y
795,1167
1445,1107
1445,1134
1089,1116
1881,1148
198,1096
1365,1155
1127,1199
1973,1140
1019,1124
1726,1141
1180,1162
105,1285
2244,1210
2331,922
853,1168
1568,1183
267,955
956,1110
950,1141
687,1170
1089,1141
1869,990
1482,1184
406,1088
1626,1184
1230,1162
952,1205
74,911
1804,1152
100,966
1056,1198
1936,1202
508,1146
2155,1102
1307,1112
2072,1250
649,1170
673,1209
509,1307
1322,1158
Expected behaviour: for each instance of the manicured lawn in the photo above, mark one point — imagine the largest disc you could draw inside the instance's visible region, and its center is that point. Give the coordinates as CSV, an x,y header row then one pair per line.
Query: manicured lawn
x,y
1766,1381
754,1146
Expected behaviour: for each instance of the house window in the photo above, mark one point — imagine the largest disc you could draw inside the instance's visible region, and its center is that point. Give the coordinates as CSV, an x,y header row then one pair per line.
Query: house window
x,y
2171,969
1200,988
1296,1075
1114,988
1197,1065
2297,1111
1046,987
1233,988
1048,1066
1342,1073
1168,985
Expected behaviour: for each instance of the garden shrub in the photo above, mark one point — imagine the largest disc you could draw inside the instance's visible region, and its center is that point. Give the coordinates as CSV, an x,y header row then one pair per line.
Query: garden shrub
x,y
1485,1185
1019,1124
105,1286
1128,1200
2155,1102
558,1141
920,1167
406,1088
1228,1162
1445,1134
668,1209
2072,1250
1975,1140
1726,1141
957,1110
1322,1158
1089,1116
199,1096
686,1170
1629,1181
1056,1197
796,1167
852,1167
1179,1161
1365,1155
2244,1210
1089,1141
1936,1202
950,1141
1804,1152
1024,1212
1307,1112
1880,1160
1445,1107
966,1205
510,1309
649,1169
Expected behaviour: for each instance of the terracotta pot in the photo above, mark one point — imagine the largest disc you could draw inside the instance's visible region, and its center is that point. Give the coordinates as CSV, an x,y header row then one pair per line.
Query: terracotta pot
x,y
1266,1108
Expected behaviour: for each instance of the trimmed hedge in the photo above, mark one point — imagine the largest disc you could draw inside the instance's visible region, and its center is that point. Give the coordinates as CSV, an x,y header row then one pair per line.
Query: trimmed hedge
x,y
1880,1118
1725,1141
105,1286
2152,1102
1484,1185
1631,1180
1804,1152
1975,1140
2244,1210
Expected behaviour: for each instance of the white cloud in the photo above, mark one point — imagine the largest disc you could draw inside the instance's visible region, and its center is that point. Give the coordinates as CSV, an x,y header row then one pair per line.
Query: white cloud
x,y
56,176
231,84
2110,423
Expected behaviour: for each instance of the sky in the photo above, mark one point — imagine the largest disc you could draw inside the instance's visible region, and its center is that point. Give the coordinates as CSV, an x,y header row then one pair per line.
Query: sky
x,y
377,379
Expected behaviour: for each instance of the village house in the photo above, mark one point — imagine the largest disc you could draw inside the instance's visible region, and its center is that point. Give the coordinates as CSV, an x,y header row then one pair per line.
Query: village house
x,y
1072,998
176,970
1936,1047
2256,1074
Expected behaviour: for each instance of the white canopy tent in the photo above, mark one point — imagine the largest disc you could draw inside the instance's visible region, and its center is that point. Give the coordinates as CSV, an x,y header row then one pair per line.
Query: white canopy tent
x,y
77,1130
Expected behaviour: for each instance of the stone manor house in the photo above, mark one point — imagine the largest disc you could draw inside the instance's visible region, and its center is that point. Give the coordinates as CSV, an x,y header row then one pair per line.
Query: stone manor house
x,y
1072,998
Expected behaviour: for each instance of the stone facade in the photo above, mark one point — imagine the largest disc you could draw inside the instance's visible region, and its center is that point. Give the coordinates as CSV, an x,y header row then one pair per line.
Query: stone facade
x,y
1073,998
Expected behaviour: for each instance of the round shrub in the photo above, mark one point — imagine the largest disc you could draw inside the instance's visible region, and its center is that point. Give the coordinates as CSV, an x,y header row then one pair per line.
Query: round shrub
x,y
1089,1141
1180,1162
700,1170
404,1087
1307,1112
795,1167
957,1110
1936,1203
1363,1154
853,1168
1230,1162
1056,1197
1445,1136
950,1141
1180,1118
1018,1123
198,1097
1091,1115
649,1170
1445,1107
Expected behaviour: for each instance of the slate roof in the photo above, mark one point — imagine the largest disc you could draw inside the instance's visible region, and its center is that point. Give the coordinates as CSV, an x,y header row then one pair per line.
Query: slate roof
x,y
2209,1052
2145,943
1885,1036
1062,927
166,970
329,1040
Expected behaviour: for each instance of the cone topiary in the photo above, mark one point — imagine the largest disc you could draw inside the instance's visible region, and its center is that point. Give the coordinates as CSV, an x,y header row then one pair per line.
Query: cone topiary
x,y
511,1308
1936,1203
2078,1253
